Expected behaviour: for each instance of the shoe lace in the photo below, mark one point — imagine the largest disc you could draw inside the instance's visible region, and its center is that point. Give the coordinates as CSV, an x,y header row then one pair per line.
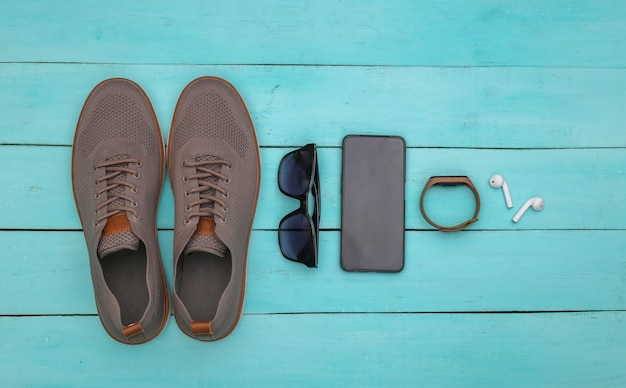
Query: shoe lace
x,y
208,175
115,178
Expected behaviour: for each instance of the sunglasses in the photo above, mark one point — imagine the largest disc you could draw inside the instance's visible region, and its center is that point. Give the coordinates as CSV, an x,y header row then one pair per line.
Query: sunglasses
x,y
298,232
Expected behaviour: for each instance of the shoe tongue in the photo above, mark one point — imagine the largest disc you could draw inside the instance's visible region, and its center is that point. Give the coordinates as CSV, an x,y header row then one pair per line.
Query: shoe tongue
x,y
204,239
117,236
211,179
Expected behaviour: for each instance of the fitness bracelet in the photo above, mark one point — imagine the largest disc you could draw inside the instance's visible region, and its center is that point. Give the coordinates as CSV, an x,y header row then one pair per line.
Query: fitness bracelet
x,y
451,181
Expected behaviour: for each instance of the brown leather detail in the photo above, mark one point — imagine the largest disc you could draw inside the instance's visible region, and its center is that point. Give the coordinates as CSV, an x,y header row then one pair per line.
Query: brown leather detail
x,y
201,328
117,223
451,181
206,226
133,330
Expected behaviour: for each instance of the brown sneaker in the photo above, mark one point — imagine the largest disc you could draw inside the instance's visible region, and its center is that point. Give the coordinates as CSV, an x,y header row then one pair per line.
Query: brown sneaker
x,y
118,165
214,166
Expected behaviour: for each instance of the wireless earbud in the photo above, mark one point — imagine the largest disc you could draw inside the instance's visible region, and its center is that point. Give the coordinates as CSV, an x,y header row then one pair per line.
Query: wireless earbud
x,y
498,181
536,203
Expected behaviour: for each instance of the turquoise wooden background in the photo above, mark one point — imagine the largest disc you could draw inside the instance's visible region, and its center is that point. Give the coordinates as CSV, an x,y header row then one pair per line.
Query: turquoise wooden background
x,y
534,90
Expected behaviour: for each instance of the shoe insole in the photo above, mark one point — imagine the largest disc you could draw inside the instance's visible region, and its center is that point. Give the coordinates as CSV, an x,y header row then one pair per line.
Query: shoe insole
x,y
203,277
125,275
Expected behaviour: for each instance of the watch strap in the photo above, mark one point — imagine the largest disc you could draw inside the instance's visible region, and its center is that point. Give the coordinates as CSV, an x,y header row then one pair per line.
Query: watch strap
x,y
451,181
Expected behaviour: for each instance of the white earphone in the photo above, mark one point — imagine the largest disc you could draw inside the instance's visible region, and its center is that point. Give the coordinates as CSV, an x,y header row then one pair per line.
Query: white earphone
x,y
498,181
536,203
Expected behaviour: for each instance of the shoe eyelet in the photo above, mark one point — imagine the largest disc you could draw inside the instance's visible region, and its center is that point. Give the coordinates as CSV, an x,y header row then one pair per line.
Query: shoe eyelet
x,y
224,209
97,196
134,204
140,163
185,179
187,221
187,194
226,195
136,175
134,190
222,220
227,181
187,208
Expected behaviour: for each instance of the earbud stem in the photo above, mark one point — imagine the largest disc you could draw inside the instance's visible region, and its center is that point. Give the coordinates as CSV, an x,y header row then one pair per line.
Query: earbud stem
x,y
507,195
521,211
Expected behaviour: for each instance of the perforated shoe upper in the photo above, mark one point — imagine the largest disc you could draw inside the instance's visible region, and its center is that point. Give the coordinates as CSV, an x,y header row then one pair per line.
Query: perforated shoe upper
x,y
213,202
117,172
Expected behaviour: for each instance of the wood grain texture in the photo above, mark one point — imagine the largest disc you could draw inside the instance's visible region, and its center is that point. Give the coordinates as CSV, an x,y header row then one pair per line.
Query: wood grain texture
x,y
294,105
533,90
404,350
557,33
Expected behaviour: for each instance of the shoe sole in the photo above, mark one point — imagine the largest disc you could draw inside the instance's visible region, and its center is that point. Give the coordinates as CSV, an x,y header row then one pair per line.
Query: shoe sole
x,y
256,198
167,309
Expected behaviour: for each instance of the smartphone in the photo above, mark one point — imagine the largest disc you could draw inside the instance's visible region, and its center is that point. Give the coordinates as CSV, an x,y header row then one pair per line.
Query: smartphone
x,y
372,203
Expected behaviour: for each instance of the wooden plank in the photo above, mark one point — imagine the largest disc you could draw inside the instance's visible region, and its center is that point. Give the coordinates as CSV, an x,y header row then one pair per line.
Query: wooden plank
x,y
558,33
582,188
295,105
483,271
535,91
328,350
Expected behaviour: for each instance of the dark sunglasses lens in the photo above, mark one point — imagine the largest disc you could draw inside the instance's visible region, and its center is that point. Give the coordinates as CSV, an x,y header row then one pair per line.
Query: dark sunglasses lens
x,y
294,173
296,239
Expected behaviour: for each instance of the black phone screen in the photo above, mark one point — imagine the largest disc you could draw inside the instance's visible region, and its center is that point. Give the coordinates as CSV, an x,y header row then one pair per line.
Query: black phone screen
x,y
372,203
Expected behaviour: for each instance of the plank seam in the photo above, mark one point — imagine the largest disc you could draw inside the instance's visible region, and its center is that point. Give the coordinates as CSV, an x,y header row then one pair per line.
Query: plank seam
x,y
495,312
331,65
287,147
